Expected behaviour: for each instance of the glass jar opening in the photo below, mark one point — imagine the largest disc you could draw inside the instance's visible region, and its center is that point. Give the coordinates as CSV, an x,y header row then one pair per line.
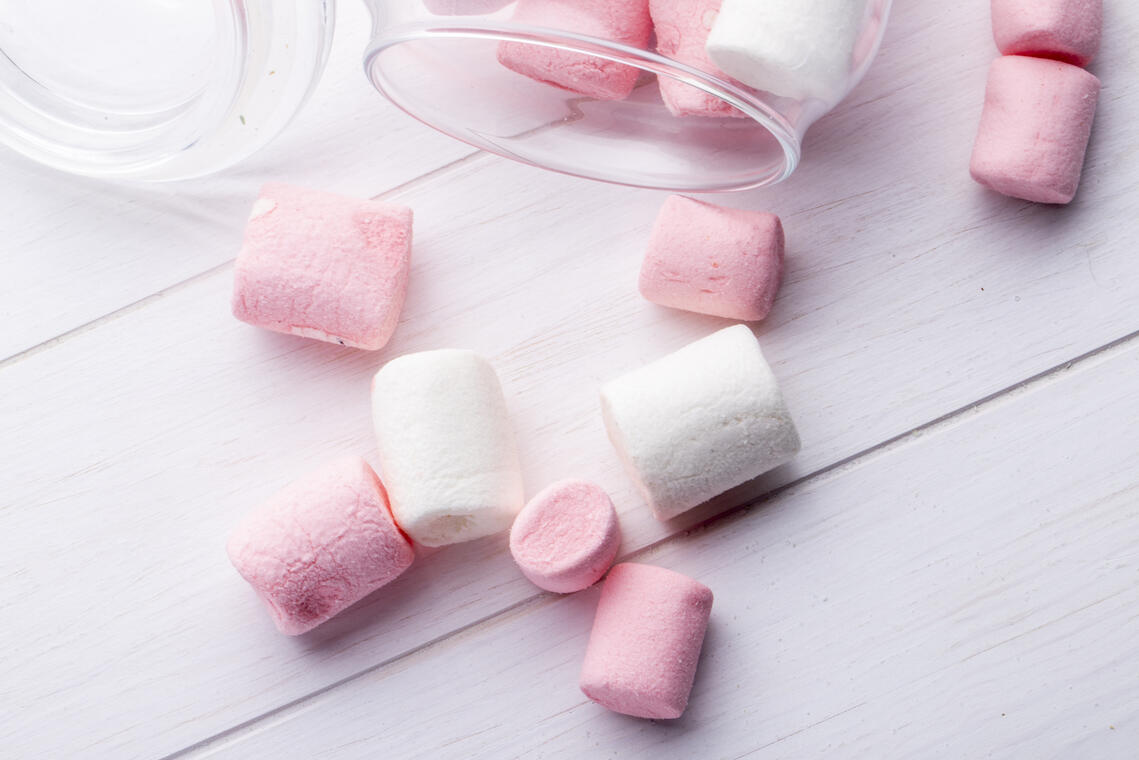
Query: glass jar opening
x,y
473,79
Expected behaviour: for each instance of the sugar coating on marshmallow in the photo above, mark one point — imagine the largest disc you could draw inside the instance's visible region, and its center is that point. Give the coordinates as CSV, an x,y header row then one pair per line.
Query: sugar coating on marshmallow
x,y
447,450
713,260
1067,30
323,266
792,48
1034,128
566,537
682,28
699,421
320,545
625,21
646,639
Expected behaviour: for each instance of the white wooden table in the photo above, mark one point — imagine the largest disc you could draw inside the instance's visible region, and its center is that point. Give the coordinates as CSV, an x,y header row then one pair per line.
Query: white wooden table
x,y
949,570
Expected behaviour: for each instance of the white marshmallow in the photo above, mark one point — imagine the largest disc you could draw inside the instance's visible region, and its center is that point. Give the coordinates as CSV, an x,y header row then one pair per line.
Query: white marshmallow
x,y
449,459
699,421
793,48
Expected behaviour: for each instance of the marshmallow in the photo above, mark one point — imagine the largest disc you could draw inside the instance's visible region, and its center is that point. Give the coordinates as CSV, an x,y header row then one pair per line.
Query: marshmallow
x,y
323,266
719,261
320,545
699,421
792,48
682,28
1067,30
566,537
1034,129
447,451
624,21
646,640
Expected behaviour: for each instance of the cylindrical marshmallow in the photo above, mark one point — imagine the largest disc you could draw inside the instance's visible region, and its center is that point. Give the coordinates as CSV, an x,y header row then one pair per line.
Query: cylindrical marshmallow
x,y
704,419
624,21
682,28
792,48
323,266
1067,30
646,641
566,537
447,450
320,545
720,261
1034,128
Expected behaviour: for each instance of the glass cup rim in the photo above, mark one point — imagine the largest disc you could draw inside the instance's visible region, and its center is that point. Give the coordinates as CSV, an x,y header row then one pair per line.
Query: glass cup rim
x,y
755,109
249,109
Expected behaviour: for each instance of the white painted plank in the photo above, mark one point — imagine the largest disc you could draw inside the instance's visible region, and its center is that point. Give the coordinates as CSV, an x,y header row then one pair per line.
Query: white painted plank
x,y
73,249
174,419
965,594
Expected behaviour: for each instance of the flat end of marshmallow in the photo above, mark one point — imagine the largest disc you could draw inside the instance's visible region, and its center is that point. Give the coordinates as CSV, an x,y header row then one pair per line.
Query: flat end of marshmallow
x,y
566,537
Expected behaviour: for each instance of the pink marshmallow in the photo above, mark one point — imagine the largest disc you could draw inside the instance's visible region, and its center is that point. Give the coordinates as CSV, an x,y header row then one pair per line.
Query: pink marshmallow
x,y
1067,30
566,537
712,260
646,640
625,21
682,28
1034,129
323,266
320,545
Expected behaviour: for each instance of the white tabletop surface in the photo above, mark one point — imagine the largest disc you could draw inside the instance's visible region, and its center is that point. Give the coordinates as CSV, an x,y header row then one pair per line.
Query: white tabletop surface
x,y
949,570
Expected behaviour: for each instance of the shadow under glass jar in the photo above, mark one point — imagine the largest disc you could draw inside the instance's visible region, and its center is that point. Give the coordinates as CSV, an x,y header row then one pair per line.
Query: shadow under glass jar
x,y
185,87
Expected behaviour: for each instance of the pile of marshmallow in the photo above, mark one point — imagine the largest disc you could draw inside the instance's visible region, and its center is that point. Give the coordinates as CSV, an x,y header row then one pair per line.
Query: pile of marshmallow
x,y
687,427
789,48
1039,102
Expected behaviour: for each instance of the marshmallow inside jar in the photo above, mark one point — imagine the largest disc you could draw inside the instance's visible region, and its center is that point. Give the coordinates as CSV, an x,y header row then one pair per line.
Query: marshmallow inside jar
x,y
623,91
806,50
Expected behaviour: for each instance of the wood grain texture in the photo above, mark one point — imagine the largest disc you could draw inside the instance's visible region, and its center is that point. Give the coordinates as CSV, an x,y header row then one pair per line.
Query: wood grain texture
x,y
131,448
60,234
968,593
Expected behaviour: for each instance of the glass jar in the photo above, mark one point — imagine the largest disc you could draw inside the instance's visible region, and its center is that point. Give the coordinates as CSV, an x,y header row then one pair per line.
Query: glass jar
x,y
155,89
165,89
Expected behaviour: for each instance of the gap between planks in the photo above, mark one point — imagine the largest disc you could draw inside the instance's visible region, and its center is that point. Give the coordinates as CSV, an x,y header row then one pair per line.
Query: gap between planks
x,y
122,311
862,458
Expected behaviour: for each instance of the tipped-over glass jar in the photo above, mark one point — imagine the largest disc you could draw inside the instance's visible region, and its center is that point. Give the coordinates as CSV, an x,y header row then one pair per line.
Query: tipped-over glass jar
x,y
593,88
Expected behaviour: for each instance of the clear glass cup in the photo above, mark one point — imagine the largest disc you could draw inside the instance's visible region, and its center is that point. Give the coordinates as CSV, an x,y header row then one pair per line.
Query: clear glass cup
x,y
177,88
155,89
438,60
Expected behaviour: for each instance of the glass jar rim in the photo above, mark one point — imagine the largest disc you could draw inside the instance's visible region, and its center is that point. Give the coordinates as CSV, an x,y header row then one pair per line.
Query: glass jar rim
x,y
467,28
270,58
